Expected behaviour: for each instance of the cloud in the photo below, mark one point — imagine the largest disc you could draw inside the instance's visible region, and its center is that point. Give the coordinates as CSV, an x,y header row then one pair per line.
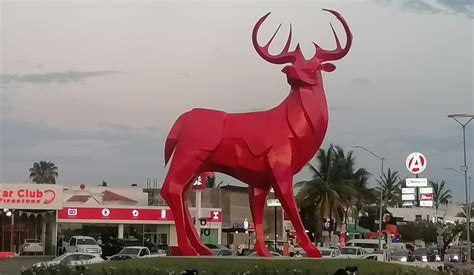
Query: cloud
x,y
418,6
461,6
53,77
465,7
79,152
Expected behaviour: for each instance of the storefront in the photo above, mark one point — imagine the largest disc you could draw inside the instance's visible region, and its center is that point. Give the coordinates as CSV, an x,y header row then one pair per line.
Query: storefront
x,y
144,224
53,213
28,211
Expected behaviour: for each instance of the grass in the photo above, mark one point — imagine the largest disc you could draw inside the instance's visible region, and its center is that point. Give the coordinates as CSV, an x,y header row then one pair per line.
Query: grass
x,y
245,265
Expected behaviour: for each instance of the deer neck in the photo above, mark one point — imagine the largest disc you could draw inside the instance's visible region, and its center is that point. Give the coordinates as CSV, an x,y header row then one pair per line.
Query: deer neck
x,y
307,112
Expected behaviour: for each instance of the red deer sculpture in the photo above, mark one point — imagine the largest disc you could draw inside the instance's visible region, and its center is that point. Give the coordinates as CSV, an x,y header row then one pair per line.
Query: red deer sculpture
x,y
263,149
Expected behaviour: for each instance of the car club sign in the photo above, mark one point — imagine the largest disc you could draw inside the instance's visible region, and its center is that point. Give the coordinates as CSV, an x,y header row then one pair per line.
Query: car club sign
x,y
31,196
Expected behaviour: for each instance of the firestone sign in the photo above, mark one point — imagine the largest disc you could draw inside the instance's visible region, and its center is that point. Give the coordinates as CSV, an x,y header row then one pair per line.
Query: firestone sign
x,y
31,196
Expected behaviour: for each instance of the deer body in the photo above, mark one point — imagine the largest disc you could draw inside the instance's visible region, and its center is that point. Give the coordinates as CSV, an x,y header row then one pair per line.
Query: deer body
x,y
263,149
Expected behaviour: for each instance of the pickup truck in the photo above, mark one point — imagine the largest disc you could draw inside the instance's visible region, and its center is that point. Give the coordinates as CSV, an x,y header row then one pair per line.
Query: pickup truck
x,y
352,252
82,244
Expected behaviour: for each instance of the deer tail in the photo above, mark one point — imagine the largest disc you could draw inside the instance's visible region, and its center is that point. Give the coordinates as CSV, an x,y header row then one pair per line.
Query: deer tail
x,y
171,140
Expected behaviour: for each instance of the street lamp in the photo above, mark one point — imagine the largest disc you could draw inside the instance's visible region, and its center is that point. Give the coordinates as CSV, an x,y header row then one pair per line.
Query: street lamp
x,y
464,168
381,190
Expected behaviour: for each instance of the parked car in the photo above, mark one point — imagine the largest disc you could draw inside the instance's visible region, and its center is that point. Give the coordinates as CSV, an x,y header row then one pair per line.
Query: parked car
x,y
456,254
122,257
425,255
30,246
329,252
221,250
402,255
72,259
139,251
255,254
83,244
369,245
352,252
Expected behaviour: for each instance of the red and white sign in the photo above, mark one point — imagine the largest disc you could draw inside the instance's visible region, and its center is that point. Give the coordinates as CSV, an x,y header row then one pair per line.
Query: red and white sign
x,y
426,196
200,183
416,163
31,196
124,214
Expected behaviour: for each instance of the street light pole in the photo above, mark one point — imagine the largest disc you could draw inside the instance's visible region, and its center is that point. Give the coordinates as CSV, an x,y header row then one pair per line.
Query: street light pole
x,y
464,168
381,192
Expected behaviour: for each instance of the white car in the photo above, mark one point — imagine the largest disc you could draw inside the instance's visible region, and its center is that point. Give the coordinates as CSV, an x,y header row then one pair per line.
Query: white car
x,y
352,252
72,259
31,246
139,251
83,244
327,252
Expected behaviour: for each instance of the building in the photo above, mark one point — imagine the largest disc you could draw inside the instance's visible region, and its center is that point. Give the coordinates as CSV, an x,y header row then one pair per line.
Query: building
x,y
53,213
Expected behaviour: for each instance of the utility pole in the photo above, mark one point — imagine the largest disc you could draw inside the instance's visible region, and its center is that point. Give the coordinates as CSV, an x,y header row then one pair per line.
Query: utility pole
x,y
464,169
381,191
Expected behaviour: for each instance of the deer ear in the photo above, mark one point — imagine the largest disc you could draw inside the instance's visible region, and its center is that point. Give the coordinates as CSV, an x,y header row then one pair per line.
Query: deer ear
x,y
327,67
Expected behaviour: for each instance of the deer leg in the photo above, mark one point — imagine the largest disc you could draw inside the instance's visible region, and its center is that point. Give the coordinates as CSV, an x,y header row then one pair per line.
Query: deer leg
x,y
192,234
257,198
283,186
180,173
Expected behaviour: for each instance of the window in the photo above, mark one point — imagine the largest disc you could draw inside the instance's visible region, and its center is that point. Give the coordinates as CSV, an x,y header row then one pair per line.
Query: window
x,y
85,257
86,241
72,242
143,253
417,217
70,258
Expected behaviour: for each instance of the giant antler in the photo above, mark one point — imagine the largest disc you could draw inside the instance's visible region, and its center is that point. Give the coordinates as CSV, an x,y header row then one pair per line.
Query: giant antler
x,y
339,52
285,56
290,57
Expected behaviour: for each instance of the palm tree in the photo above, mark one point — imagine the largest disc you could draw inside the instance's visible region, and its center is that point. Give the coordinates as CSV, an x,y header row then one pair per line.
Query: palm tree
x,y
333,187
44,172
391,188
464,210
440,194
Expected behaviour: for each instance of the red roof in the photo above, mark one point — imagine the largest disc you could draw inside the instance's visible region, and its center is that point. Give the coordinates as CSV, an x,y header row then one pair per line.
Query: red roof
x,y
79,198
111,196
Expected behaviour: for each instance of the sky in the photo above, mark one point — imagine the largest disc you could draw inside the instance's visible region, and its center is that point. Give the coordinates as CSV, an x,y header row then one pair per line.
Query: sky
x,y
94,86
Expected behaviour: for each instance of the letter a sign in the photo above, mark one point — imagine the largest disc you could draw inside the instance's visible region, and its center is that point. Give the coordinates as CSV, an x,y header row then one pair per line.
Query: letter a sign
x,y
416,163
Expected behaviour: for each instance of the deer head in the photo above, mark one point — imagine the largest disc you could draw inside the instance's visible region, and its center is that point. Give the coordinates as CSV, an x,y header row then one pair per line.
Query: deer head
x,y
302,71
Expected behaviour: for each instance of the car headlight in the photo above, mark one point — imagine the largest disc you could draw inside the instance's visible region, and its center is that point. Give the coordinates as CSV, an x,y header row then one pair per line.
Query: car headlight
x,y
424,258
81,250
438,258
38,265
455,257
403,259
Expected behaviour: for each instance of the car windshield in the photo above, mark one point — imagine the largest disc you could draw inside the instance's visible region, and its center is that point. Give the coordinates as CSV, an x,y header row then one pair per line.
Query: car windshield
x,y
32,241
348,251
453,250
129,250
400,253
325,252
86,241
421,251
60,258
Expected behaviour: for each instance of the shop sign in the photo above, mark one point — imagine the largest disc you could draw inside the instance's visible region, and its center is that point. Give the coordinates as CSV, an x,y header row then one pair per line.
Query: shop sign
x,y
416,182
31,196
125,214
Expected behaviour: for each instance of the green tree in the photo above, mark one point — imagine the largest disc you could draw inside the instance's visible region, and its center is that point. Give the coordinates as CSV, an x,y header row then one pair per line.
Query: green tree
x,y
332,189
440,194
44,172
463,213
391,188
